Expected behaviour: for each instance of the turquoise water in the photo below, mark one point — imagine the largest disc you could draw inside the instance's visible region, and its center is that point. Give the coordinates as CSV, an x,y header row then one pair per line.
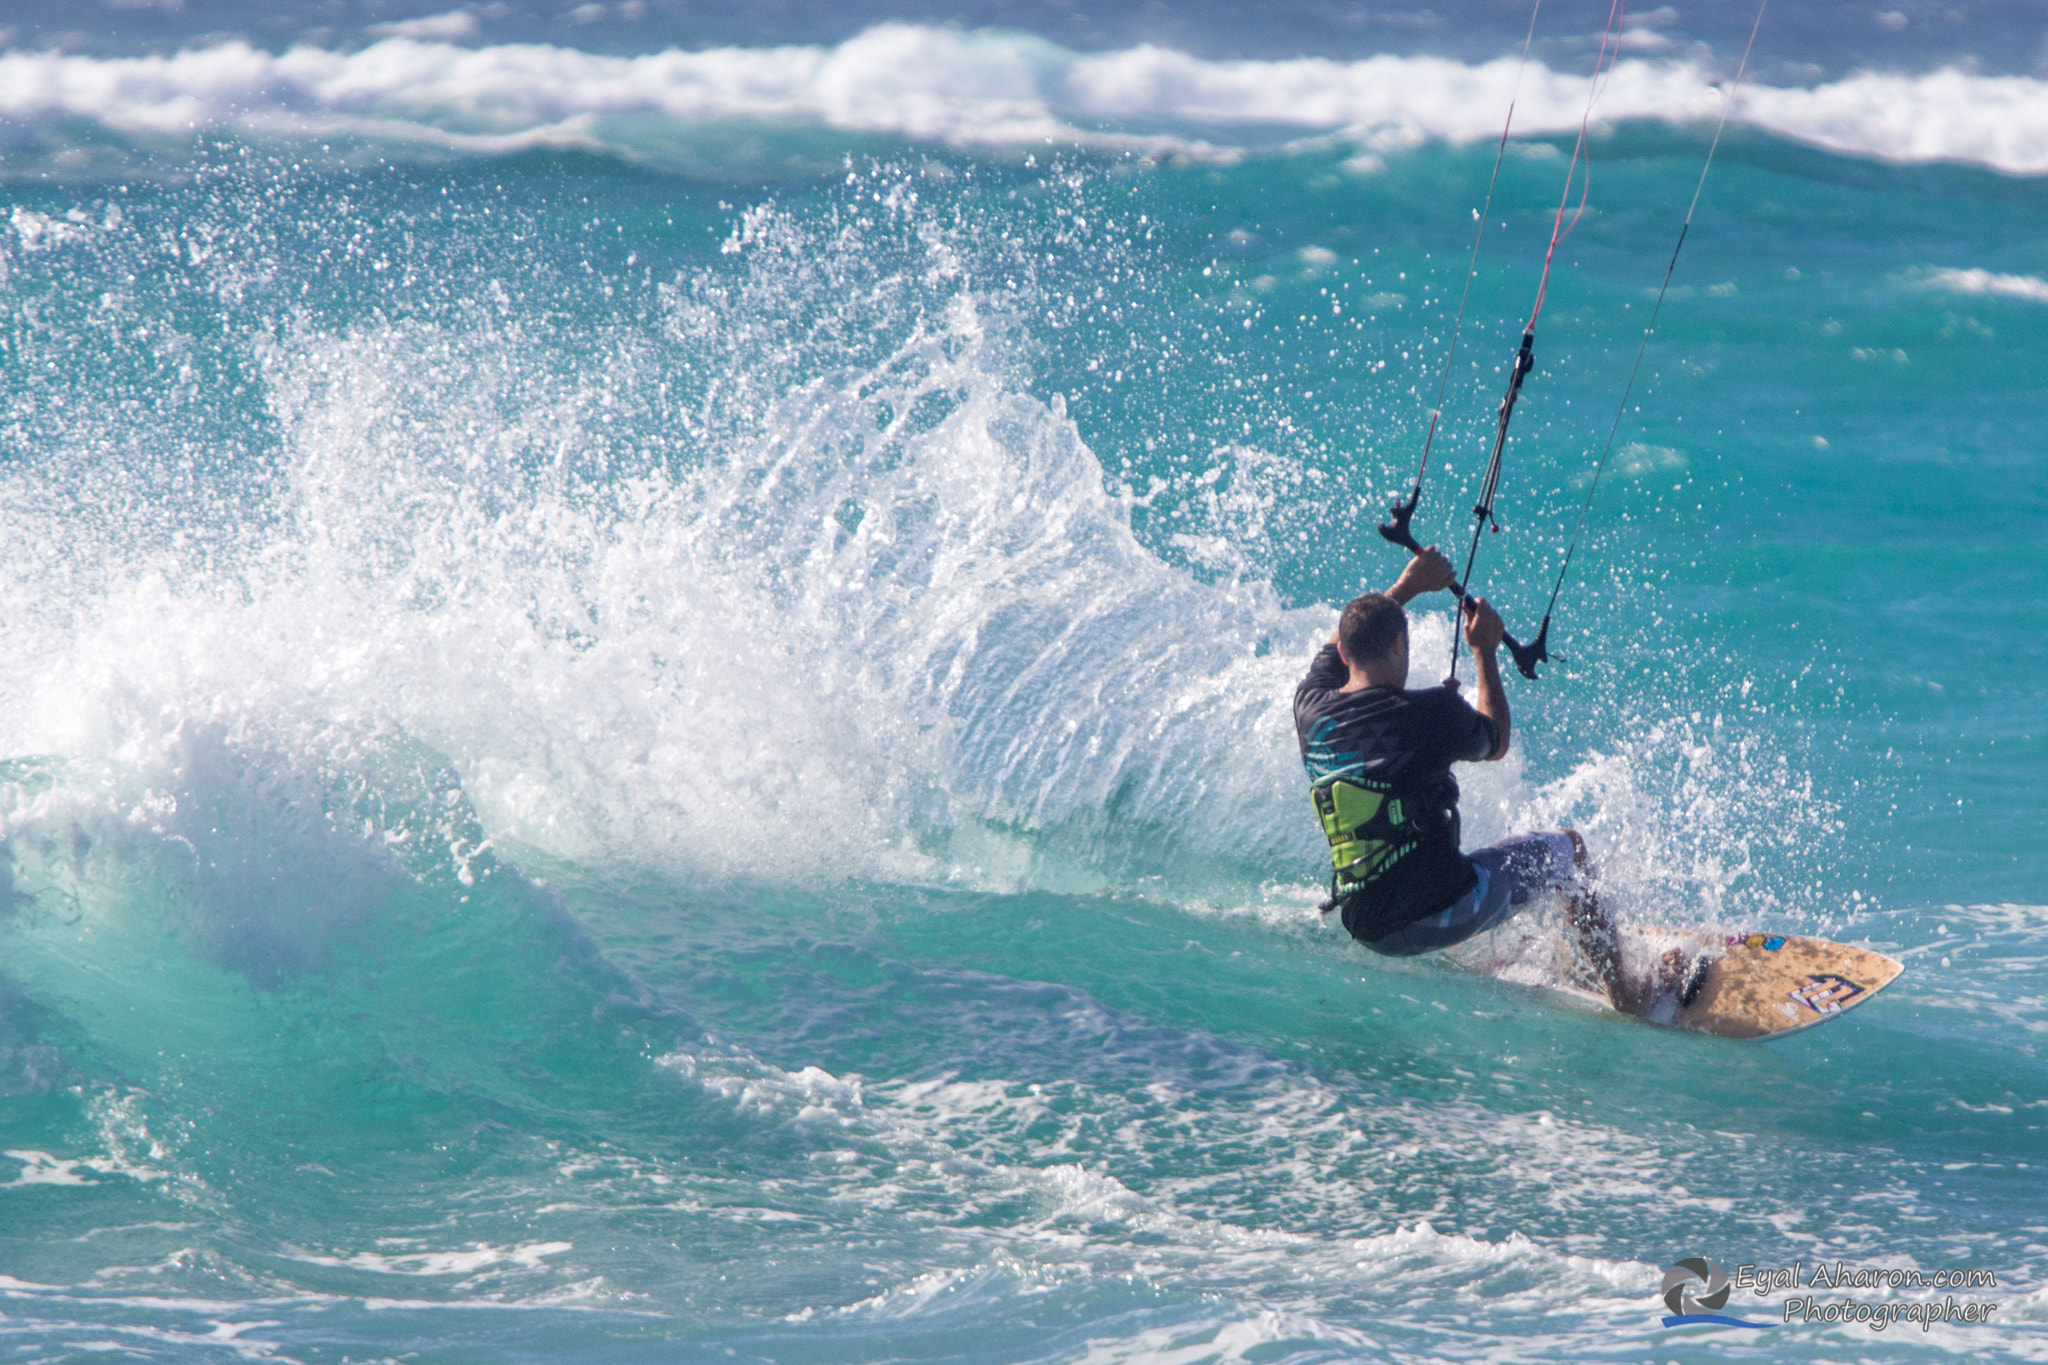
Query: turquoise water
x,y
668,737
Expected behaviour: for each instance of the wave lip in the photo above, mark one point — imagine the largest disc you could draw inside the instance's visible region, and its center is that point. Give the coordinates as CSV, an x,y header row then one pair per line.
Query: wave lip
x,y
982,88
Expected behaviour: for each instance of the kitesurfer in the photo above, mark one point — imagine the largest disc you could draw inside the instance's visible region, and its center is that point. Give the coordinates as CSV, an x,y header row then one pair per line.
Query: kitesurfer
x,y
1379,757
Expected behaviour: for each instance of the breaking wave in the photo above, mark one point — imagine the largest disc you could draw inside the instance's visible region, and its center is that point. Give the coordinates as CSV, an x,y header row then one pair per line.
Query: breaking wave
x,y
416,90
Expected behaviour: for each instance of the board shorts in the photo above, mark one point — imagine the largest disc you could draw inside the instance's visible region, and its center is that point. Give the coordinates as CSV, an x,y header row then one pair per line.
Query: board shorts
x,y
1511,873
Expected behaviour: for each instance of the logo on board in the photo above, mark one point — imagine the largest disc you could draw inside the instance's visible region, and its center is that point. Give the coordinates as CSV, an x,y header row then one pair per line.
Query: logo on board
x,y
1825,993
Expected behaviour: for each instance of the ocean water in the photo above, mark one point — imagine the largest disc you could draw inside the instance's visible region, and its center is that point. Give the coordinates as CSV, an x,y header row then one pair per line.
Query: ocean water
x,y
645,711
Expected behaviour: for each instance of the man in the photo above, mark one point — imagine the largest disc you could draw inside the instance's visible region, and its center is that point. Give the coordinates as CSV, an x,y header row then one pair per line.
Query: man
x,y
1379,761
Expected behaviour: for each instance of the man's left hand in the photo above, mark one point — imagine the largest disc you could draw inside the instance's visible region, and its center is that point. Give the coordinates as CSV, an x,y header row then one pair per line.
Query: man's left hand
x,y
1426,572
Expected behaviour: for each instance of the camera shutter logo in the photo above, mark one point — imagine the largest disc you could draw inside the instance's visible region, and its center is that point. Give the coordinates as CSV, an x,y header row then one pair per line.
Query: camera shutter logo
x,y
1680,1279
1695,1290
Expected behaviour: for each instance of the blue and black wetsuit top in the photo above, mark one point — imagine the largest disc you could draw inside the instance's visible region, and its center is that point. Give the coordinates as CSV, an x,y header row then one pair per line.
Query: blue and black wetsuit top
x,y
1379,767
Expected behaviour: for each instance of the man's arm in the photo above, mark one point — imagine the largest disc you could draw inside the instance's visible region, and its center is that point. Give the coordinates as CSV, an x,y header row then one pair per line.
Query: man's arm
x,y
1483,631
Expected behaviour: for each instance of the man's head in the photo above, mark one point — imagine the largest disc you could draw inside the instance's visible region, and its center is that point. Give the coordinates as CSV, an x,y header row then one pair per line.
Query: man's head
x,y
1373,637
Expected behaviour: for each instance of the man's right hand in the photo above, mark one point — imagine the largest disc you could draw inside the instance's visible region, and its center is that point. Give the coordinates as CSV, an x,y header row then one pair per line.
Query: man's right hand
x,y
1482,626
1425,572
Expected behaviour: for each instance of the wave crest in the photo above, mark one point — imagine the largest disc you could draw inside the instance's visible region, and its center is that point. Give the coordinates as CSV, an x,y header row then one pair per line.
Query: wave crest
x,y
970,89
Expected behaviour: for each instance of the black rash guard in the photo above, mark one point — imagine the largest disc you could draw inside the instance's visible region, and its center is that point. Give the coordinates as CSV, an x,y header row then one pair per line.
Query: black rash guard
x,y
1406,738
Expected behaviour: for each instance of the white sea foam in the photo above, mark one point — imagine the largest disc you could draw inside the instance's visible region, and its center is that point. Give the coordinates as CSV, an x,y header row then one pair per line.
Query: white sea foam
x,y
1352,1248
2029,287
453,26
40,1168
468,1261
128,1151
954,1143
977,88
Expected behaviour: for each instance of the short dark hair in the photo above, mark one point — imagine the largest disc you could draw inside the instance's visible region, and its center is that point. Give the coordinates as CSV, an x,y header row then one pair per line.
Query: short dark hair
x,y
1371,626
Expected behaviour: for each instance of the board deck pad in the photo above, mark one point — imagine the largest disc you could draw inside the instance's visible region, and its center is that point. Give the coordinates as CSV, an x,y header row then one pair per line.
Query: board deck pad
x,y
1756,985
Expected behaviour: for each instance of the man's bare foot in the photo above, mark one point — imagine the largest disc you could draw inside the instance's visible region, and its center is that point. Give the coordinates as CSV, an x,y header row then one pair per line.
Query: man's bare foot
x,y
1693,979
1677,977
1595,930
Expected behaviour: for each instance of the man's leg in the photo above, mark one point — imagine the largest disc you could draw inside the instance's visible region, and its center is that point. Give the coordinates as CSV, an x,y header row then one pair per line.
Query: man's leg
x,y
1557,860
1597,937
1516,871
1596,932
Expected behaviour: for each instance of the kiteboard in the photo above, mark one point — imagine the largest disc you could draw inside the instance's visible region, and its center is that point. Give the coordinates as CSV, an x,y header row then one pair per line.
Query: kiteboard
x,y
1733,985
